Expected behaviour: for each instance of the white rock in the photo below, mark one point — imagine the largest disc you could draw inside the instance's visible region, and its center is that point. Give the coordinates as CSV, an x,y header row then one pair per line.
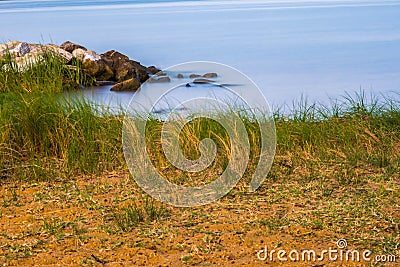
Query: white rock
x,y
10,48
79,53
67,56
15,48
3,49
84,55
12,44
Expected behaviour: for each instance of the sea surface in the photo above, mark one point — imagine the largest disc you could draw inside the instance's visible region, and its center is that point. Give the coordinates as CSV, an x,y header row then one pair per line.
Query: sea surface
x,y
316,49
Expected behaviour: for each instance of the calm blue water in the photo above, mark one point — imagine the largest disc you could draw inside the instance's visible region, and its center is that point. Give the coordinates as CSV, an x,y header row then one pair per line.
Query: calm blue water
x,y
317,48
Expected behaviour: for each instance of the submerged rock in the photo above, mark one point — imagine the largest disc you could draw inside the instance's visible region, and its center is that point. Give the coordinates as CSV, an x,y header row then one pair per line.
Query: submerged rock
x,y
128,85
210,75
164,79
202,80
192,76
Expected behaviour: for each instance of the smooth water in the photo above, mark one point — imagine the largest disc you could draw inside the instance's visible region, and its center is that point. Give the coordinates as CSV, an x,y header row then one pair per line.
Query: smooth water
x,y
316,48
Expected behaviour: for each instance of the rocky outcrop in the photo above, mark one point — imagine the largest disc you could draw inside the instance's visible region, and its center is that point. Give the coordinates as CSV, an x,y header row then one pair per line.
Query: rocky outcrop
x,y
109,66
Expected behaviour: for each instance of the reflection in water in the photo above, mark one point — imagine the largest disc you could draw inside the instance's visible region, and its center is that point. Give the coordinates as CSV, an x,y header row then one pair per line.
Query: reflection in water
x,y
227,87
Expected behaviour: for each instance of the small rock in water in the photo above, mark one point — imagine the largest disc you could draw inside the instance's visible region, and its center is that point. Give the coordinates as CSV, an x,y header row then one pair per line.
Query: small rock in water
x,y
188,85
192,76
201,80
159,80
210,75
179,76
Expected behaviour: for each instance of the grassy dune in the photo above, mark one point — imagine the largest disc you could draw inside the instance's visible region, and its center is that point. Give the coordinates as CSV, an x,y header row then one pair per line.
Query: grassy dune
x,y
64,183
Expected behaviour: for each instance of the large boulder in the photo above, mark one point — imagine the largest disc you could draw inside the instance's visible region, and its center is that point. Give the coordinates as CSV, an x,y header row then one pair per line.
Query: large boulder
x,y
84,55
128,85
70,47
98,69
93,64
124,68
57,51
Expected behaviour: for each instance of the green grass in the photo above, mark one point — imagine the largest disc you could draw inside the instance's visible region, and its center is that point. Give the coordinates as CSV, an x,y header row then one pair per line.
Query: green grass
x,y
48,74
44,136
337,166
131,216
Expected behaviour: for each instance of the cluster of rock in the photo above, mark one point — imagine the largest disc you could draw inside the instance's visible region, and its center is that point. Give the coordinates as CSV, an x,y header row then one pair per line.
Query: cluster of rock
x,y
111,66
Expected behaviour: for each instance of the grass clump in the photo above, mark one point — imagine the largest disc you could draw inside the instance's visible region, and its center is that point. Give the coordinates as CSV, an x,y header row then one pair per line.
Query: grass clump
x,y
47,72
45,136
132,215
